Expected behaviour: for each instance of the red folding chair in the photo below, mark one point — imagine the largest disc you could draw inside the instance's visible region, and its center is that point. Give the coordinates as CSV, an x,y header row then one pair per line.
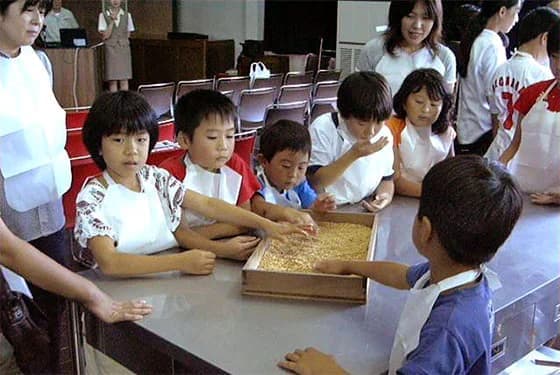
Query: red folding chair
x,y
245,145
76,116
83,168
74,143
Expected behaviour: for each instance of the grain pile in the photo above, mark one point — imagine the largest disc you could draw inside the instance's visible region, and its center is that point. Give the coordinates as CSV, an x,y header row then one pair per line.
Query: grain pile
x,y
342,241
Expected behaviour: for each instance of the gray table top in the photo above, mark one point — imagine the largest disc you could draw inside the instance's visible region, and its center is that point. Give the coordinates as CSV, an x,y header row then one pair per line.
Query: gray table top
x,y
208,316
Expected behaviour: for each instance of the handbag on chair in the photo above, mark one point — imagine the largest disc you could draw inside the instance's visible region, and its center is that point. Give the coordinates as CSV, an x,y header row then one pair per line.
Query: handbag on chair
x,y
258,70
25,326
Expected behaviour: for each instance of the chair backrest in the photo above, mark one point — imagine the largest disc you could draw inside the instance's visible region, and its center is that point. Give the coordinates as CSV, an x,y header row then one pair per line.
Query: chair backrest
x,y
76,116
275,80
311,62
295,93
326,89
245,145
167,131
296,78
160,97
237,84
321,106
327,75
184,87
295,111
74,143
253,104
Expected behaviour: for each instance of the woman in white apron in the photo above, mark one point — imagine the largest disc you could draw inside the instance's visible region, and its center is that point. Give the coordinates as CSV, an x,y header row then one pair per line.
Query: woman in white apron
x,y
412,41
34,167
446,324
421,129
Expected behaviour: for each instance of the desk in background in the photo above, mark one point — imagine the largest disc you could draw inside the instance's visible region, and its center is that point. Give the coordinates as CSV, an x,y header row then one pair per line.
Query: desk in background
x,y
202,324
76,71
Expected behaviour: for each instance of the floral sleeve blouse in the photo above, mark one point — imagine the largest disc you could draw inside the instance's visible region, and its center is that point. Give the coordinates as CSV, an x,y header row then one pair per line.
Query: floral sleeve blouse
x,y
91,221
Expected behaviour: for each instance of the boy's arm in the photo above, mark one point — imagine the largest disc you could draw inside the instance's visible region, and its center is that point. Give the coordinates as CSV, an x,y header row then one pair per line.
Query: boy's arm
x,y
404,186
221,230
387,273
329,174
276,212
383,196
222,211
238,247
117,264
41,270
512,149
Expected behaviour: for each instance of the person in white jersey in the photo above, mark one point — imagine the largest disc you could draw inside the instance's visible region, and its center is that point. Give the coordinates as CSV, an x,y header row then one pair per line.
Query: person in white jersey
x,y
483,49
528,65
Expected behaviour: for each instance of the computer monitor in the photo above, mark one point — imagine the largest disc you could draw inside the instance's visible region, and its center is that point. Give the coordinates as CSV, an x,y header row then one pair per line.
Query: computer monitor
x,y
73,38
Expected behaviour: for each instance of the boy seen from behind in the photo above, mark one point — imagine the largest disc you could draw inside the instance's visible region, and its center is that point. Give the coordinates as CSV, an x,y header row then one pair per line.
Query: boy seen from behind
x,y
468,208
283,156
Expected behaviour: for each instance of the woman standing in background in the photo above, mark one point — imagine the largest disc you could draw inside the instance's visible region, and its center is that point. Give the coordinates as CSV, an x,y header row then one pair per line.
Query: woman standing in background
x,y
412,41
115,26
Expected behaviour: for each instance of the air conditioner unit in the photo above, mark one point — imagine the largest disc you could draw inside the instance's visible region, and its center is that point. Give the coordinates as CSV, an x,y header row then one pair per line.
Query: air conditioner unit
x,y
358,22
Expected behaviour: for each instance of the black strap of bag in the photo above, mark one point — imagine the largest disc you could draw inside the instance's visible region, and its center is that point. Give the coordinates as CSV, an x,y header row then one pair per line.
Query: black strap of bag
x,y
25,326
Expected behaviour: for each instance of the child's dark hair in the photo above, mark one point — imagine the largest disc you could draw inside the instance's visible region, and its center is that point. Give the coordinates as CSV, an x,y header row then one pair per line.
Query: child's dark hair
x,y
473,205
112,113
45,5
195,106
365,96
553,41
487,9
535,23
284,135
434,84
402,8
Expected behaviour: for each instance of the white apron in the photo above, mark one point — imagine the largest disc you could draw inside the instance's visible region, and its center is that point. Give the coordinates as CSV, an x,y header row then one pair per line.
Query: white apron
x,y
287,199
416,312
224,185
536,165
363,176
419,150
33,161
395,69
137,218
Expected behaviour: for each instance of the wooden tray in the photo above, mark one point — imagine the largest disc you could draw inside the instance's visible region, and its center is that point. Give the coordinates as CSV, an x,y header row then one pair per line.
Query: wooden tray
x,y
317,286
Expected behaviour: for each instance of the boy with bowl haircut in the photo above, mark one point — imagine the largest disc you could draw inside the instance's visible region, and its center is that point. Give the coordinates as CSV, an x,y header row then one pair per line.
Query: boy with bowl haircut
x,y
352,153
283,156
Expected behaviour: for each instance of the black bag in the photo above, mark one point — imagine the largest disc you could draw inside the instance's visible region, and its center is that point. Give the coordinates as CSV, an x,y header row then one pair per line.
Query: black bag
x,y
25,326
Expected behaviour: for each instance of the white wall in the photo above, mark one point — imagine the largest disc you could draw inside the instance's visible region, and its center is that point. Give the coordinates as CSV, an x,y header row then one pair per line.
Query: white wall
x,y
222,19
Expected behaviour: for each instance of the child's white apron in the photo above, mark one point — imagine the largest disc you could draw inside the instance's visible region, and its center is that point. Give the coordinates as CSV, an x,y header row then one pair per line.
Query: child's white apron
x,y
416,312
419,150
224,185
288,199
137,218
33,161
536,165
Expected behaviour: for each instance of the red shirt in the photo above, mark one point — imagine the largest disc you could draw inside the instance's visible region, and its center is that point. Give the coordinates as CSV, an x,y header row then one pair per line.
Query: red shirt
x,y
529,95
249,183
